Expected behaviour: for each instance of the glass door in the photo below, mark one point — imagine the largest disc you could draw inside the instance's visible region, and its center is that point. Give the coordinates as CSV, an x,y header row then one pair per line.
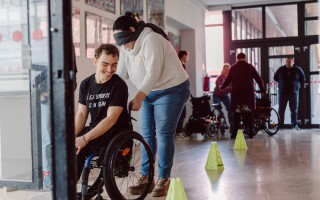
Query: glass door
x,y
314,81
277,58
25,138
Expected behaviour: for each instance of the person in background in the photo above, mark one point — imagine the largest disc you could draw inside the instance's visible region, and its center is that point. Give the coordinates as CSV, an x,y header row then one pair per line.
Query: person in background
x,y
223,95
290,78
180,135
149,60
241,75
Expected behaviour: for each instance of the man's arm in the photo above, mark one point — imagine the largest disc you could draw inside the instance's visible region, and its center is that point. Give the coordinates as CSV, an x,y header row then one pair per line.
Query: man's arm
x,y
106,124
258,80
228,80
219,83
276,75
81,118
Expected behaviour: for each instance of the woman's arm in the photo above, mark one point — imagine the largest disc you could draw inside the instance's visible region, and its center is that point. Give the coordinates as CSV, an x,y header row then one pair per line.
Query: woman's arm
x,y
154,54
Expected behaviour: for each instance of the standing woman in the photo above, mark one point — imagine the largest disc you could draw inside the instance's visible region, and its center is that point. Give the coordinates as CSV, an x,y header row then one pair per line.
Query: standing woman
x,y
148,59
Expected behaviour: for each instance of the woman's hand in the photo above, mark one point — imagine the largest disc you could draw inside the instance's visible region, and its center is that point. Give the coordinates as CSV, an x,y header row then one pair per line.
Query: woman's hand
x,y
80,143
135,104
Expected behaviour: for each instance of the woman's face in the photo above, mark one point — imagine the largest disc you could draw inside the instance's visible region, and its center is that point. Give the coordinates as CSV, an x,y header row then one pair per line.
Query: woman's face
x,y
226,69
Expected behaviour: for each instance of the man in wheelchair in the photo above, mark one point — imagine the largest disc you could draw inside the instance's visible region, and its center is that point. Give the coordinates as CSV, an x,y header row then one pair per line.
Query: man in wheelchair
x,y
104,96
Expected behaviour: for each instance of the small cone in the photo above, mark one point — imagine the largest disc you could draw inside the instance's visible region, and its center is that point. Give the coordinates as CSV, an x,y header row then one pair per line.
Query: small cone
x,y
214,160
240,143
176,190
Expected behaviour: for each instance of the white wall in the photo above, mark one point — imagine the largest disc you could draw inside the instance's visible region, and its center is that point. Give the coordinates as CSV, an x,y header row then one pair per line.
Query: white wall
x,y
193,40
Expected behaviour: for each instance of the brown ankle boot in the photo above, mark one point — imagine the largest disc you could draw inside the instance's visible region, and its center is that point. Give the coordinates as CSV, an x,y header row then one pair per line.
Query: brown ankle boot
x,y
161,188
139,188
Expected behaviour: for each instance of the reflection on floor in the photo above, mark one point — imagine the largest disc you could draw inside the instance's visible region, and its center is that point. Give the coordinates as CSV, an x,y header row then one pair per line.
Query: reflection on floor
x,y
285,166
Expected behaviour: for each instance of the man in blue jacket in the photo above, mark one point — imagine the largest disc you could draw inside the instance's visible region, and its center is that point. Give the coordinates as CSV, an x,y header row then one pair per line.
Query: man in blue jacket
x,y
290,78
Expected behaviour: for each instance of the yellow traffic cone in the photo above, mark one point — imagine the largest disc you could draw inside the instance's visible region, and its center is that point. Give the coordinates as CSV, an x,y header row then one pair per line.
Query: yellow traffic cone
x,y
214,160
176,190
240,143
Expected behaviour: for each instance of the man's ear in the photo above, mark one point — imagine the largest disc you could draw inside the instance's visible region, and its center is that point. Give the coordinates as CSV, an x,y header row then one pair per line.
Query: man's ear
x,y
132,29
95,61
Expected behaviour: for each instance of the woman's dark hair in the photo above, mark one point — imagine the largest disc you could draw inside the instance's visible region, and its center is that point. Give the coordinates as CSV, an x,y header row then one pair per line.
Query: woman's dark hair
x,y
108,49
182,53
126,21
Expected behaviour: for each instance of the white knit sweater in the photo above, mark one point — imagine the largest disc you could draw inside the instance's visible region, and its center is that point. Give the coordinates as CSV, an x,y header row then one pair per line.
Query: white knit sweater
x,y
152,64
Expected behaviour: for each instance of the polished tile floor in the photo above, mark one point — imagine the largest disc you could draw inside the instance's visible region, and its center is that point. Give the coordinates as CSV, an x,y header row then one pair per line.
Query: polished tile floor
x,y
283,167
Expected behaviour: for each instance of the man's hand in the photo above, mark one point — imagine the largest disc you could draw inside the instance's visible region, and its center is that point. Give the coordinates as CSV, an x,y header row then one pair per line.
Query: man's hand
x,y
80,143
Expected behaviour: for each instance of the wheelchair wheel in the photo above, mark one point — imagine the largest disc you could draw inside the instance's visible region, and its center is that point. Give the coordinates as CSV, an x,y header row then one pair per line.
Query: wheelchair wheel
x,y
211,130
272,123
123,165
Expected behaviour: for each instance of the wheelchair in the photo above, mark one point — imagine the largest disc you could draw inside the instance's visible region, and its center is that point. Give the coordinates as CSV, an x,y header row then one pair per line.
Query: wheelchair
x,y
265,117
116,167
205,120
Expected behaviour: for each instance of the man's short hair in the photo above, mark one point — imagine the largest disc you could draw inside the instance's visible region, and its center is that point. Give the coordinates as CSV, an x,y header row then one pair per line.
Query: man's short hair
x,y
182,53
290,57
108,49
241,56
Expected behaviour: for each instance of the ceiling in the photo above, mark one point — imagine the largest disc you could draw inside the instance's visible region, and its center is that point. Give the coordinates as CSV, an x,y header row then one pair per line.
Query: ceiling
x,y
212,3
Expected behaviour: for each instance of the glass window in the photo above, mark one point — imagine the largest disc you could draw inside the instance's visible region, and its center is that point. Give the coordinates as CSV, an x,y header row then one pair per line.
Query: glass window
x,y
281,21
14,48
311,10
312,27
23,63
281,50
247,23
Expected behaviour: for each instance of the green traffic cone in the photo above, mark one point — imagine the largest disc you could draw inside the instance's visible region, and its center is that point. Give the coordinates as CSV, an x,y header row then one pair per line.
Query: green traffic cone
x,y
240,143
176,190
214,160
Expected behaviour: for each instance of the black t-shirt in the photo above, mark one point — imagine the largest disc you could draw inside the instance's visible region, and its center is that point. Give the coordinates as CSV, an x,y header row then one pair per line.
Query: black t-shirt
x,y
99,97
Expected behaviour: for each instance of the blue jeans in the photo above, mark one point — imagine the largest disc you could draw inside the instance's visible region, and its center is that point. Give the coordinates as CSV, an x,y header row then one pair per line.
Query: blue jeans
x,y
181,120
159,116
293,105
227,103
45,136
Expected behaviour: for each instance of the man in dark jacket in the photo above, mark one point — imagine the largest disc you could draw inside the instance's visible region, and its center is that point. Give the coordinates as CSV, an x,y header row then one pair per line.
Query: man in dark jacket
x,y
290,77
241,75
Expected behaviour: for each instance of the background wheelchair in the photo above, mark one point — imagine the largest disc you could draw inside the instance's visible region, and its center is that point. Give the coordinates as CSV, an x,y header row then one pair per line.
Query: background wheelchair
x,y
265,117
204,120
116,167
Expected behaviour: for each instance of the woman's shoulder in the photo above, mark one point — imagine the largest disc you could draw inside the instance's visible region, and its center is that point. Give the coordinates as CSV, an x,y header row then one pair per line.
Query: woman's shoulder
x,y
153,37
